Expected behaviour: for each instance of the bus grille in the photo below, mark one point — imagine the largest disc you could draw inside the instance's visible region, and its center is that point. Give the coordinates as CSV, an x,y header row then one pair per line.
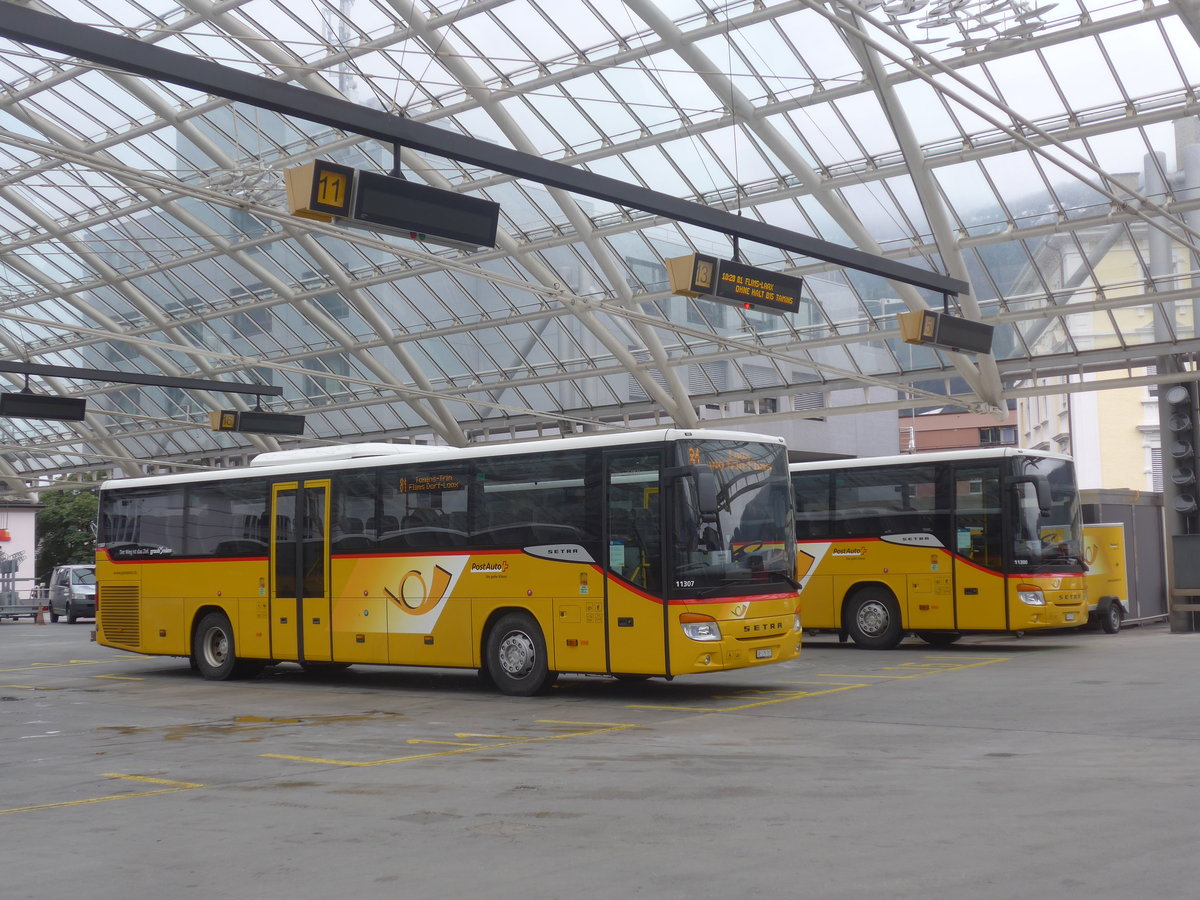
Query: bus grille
x,y
120,615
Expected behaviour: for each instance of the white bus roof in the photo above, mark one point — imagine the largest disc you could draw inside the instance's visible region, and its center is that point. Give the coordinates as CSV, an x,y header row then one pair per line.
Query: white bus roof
x,y
356,456
973,455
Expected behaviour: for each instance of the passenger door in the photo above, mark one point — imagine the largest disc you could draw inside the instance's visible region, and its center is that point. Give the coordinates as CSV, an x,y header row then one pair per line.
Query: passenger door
x,y
299,598
635,614
979,584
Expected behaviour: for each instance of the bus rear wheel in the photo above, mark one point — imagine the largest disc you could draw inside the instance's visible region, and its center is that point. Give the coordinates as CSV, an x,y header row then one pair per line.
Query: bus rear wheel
x,y
873,619
515,656
213,649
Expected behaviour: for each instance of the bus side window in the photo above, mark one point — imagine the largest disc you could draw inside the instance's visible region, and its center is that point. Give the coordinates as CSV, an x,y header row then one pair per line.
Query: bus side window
x,y
811,493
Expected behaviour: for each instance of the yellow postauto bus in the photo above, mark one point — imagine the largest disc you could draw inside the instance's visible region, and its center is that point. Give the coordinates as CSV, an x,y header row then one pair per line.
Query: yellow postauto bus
x,y
649,554
939,544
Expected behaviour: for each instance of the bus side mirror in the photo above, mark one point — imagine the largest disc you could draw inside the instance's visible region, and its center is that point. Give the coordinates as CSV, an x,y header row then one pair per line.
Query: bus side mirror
x,y
706,488
1041,486
706,493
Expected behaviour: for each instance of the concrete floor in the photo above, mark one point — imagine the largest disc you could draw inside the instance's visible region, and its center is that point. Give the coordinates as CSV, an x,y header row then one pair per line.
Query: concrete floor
x,y
1056,766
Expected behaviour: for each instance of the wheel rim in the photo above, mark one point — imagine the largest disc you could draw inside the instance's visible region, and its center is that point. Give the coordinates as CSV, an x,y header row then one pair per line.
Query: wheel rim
x,y
872,618
216,647
1114,617
517,654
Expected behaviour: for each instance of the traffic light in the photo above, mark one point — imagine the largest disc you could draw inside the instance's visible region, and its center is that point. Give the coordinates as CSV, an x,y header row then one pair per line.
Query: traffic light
x,y
1180,444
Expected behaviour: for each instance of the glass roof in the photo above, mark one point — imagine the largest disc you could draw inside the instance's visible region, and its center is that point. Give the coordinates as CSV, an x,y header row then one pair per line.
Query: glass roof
x,y
1044,152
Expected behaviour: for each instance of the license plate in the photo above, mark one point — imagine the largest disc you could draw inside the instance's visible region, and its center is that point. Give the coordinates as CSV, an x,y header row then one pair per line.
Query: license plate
x,y
764,653
1070,617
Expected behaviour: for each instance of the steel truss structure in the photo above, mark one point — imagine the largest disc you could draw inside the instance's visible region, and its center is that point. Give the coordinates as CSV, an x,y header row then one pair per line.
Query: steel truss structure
x,y
1043,154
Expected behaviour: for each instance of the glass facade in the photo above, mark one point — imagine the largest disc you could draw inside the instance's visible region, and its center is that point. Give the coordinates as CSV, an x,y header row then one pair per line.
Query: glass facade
x,y
1045,154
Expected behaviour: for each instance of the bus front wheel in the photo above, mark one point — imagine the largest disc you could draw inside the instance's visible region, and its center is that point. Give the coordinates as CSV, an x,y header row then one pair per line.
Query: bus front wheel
x,y
873,619
516,656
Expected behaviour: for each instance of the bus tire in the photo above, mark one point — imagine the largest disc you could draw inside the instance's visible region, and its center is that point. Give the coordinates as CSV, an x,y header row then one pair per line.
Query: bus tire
x,y
873,619
515,656
939,638
1110,618
213,649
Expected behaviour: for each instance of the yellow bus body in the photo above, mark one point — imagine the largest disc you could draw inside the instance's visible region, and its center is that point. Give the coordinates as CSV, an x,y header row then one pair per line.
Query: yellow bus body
x,y
434,610
935,589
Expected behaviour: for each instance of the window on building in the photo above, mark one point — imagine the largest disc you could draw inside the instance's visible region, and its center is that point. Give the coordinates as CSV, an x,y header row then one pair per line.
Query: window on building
x,y
763,405
998,436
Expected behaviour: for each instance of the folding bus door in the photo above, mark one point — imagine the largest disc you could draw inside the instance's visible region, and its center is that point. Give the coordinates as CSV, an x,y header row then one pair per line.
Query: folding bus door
x,y
635,611
300,607
979,588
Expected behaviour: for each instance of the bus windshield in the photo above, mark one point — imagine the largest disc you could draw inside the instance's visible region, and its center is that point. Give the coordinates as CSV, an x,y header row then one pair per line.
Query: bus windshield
x,y
742,532
1046,537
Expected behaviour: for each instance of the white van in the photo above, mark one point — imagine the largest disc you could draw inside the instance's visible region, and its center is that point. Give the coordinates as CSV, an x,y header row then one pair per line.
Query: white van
x,y
73,592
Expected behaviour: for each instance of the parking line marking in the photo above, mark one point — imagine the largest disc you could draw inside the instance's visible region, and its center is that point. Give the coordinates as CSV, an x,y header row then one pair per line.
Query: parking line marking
x,y
74,662
910,670
787,697
119,677
602,728
146,779
170,787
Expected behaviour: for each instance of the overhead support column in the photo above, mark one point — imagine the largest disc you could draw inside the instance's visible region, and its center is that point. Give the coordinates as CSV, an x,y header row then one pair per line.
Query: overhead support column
x,y
984,378
1177,410
674,398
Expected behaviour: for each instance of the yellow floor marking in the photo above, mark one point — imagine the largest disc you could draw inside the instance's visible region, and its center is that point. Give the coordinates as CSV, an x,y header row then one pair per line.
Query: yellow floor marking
x,y
170,787
942,666
26,687
446,743
146,779
74,662
602,728
918,670
785,697
911,670
852,675
829,683
119,677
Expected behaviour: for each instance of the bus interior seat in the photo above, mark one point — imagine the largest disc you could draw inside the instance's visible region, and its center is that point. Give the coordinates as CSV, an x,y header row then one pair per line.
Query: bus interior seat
x,y
383,524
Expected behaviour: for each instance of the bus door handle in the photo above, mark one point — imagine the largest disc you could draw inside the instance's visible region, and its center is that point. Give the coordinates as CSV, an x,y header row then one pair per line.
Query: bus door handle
x,y
624,621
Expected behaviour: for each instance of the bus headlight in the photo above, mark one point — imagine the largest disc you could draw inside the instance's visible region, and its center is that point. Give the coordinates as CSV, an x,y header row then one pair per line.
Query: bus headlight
x,y
796,623
700,628
1031,596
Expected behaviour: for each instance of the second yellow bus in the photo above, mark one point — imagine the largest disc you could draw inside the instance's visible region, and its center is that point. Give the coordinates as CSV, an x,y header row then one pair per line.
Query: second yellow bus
x,y
939,544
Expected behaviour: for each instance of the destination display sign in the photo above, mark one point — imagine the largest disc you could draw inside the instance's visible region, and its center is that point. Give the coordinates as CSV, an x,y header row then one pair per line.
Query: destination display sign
x,y
326,191
928,326
737,284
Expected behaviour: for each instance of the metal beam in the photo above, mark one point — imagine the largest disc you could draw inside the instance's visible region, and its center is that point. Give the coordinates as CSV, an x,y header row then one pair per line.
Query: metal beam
x,y
19,23
191,384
